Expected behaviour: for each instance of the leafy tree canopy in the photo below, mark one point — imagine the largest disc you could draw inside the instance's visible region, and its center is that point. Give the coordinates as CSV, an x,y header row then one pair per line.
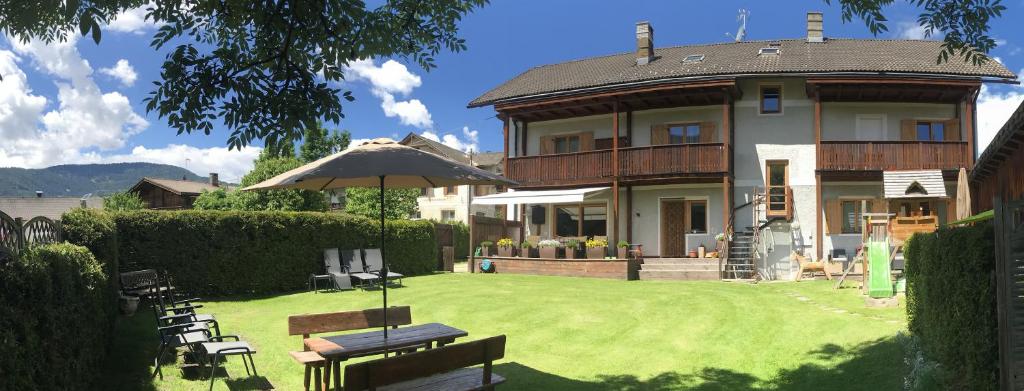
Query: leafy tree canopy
x,y
318,143
365,201
123,201
963,23
267,69
218,199
289,200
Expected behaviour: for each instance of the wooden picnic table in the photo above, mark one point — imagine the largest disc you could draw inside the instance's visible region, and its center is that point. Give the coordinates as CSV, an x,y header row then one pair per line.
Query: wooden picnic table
x,y
339,348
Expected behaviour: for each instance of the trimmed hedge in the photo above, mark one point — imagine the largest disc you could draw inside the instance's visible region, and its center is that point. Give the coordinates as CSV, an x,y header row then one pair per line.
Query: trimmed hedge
x,y
460,237
96,231
951,303
55,319
233,252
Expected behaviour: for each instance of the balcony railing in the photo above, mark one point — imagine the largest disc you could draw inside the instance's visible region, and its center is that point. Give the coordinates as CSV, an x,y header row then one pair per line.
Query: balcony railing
x,y
594,167
892,155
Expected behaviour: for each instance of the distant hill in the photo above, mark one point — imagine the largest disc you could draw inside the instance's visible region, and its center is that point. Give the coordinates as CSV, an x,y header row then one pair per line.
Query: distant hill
x,y
75,180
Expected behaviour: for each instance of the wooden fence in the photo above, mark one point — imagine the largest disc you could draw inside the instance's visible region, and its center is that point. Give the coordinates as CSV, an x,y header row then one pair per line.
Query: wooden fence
x,y
17,233
490,229
1009,251
445,235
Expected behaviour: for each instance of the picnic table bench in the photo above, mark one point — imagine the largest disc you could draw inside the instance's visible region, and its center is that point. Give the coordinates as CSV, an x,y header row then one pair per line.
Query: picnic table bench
x,y
446,368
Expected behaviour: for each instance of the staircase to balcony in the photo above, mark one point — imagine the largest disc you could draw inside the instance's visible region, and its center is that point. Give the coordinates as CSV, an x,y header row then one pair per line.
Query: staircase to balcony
x,y
740,264
679,269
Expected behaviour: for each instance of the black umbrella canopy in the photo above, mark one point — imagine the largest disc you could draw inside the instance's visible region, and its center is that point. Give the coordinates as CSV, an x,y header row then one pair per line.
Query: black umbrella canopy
x,y
362,166
381,163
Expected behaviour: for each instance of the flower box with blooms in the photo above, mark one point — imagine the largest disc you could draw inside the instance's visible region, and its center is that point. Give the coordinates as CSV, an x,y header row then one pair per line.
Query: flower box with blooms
x,y
571,246
505,246
596,248
548,248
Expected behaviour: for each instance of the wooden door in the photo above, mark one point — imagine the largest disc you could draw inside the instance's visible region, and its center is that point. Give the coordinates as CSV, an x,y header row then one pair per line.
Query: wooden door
x,y
673,228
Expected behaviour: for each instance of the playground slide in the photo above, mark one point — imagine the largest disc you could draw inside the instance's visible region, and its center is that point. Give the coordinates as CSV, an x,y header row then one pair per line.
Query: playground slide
x,y
880,281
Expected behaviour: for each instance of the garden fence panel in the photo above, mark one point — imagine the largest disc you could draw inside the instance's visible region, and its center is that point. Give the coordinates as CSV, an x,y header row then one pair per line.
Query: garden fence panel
x,y
1009,230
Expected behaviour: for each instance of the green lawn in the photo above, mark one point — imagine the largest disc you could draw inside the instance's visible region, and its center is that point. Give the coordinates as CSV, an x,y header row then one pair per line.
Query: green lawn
x,y
583,334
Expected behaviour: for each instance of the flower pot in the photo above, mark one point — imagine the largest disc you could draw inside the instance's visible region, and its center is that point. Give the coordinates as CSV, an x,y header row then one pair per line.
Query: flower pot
x,y
596,252
622,252
548,252
570,253
692,254
129,304
505,251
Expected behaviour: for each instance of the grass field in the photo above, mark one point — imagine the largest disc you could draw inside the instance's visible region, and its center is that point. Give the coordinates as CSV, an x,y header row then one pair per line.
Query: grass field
x,y
583,334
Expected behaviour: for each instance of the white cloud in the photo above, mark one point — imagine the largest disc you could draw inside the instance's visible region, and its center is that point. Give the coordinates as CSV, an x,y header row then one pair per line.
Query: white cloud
x,y
230,164
123,72
994,109
357,142
85,121
911,30
469,142
388,79
131,21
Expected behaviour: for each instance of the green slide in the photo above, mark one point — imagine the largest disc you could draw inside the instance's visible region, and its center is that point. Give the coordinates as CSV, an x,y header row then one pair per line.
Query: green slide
x,y
880,282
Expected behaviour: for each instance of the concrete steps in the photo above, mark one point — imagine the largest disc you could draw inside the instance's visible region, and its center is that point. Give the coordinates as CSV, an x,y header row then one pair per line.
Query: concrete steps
x,y
679,269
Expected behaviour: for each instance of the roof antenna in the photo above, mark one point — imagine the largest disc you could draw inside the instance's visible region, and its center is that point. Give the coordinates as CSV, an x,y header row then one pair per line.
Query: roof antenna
x,y
742,31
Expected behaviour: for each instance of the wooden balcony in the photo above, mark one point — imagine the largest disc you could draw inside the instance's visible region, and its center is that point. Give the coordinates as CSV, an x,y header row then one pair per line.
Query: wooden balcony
x,y
597,167
892,155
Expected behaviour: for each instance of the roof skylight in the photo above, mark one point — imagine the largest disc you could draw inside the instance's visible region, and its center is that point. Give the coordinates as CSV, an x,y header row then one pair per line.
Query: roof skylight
x,y
769,51
694,58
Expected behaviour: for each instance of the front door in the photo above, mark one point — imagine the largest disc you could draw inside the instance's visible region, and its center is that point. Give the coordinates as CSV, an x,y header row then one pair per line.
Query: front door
x,y
673,228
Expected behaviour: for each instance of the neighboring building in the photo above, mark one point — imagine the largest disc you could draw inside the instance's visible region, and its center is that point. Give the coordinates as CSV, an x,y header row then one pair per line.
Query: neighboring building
x,y
452,203
666,147
1000,169
49,207
158,193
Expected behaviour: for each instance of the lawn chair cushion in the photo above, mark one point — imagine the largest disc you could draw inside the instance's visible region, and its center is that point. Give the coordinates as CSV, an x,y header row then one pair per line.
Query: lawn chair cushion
x,y
230,347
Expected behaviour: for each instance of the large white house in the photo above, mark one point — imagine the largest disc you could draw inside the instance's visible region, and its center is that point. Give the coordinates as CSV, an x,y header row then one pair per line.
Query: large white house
x,y
789,139
453,203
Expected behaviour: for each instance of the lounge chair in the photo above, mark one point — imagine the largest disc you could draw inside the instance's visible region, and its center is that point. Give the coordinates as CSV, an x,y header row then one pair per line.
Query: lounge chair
x,y
375,262
170,310
354,264
332,263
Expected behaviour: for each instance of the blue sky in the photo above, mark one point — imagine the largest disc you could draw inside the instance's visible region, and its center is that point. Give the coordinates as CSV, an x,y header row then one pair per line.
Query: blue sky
x,y
79,102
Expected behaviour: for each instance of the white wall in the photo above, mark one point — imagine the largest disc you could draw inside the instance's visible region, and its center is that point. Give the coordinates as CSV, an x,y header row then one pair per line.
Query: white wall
x,y
646,214
839,119
431,206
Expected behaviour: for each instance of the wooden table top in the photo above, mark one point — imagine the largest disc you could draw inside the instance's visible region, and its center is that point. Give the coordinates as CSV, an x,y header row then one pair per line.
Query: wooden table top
x,y
342,347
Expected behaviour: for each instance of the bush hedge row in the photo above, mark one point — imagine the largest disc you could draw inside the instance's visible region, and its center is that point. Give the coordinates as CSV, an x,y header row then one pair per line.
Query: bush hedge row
x,y
460,237
55,319
951,303
234,252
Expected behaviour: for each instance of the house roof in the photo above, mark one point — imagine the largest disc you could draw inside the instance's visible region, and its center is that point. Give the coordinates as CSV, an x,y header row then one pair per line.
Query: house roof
x,y
914,184
419,142
733,59
176,186
1003,144
50,207
485,159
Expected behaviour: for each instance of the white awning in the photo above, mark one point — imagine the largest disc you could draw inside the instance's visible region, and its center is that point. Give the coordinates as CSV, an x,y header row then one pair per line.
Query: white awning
x,y
538,196
914,184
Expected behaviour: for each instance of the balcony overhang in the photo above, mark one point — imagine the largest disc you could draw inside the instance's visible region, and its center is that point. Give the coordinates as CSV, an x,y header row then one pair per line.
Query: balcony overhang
x,y
540,196
637,98
920,90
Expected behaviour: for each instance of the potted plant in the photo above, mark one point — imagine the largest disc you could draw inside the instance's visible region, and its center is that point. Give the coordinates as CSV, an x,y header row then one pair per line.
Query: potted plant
x,y
571,246
720,238
596,248
129,304
505,247
622,249
548,248
526,250
485,248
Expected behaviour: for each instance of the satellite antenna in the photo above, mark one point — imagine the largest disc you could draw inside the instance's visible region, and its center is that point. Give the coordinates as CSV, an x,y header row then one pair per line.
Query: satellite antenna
x,y
741,17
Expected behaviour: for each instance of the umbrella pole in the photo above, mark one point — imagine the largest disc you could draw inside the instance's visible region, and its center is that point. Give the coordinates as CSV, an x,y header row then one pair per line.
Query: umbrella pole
x,y
384,266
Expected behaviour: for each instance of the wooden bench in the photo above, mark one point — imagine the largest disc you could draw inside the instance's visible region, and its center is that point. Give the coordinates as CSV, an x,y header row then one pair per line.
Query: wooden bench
x,y
444,368
305,325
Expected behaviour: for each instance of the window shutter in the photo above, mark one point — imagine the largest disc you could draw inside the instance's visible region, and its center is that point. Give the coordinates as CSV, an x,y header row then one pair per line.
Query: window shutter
x,y
908,130
547,145
586,141
659,134
833,217
707,132
952,129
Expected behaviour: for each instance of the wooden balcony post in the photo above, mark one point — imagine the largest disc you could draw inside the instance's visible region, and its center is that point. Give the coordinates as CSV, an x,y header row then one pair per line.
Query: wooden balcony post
x,y
969,130
505,119
818,236
615,172
526,126
629,214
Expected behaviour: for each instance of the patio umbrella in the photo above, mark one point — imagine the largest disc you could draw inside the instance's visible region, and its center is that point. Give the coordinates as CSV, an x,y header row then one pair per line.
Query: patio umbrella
x,y
963,196
381,163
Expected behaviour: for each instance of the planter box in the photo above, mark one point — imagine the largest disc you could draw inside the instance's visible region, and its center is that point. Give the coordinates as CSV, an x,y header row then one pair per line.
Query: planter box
x,y
596,252
616,269
548,252
622,252
504,251
570,253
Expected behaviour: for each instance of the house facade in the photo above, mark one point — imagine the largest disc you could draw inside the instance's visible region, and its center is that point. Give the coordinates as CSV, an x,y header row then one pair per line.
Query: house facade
x,y
789,139
172,194
454,203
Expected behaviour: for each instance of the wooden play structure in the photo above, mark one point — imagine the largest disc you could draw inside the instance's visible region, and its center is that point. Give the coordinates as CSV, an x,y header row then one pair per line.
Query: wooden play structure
x,y
808,266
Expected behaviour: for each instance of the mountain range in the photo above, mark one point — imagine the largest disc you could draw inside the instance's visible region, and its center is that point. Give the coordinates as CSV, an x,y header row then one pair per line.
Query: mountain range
x,y
76,180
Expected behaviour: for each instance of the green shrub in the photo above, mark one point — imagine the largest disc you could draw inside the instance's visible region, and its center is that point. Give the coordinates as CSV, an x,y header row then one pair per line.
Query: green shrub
x,y
951,303
55,319
95,230
231,252
460,239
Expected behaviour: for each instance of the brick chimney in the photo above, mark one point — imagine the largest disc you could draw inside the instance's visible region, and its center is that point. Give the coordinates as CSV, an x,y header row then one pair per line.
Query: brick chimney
x,y
815,29
39,194
644,43
214,179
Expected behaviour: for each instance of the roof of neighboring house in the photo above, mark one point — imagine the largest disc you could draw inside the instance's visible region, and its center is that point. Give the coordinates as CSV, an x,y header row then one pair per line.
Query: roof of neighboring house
x,y
176,186
1009,138
419,142
797,56
488,158
50,207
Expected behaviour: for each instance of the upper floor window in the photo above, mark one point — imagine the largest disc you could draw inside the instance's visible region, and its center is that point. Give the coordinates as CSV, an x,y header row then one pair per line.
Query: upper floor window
x,y
424,192
451,190
771,99
684,134
931,130
567,144
447,215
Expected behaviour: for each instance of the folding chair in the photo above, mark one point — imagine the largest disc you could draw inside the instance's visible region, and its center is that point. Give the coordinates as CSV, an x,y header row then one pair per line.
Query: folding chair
x,y
332,264
354,264
375,262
